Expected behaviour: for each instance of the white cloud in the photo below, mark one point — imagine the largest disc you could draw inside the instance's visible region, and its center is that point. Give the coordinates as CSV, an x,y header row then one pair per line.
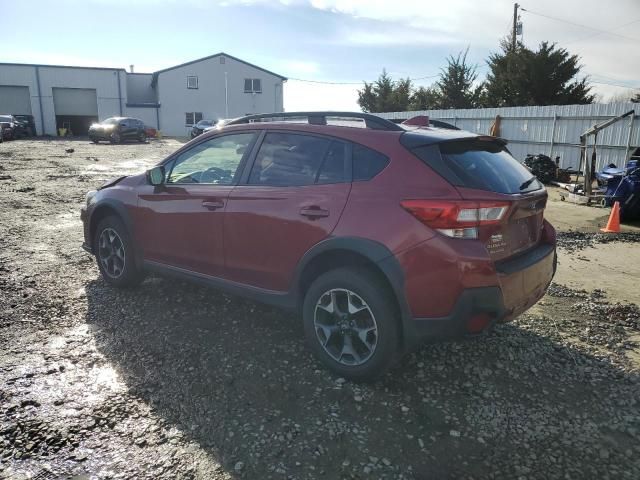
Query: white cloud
x,y
301,96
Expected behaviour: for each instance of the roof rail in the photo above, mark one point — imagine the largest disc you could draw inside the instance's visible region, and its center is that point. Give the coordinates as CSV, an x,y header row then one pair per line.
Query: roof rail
x,y
320,118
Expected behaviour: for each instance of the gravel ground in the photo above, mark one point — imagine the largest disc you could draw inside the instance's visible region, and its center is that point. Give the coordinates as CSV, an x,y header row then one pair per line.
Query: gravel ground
x,y
172,380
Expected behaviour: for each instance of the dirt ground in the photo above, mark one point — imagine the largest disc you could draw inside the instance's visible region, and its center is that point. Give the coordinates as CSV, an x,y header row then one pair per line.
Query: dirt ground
x,y
171,380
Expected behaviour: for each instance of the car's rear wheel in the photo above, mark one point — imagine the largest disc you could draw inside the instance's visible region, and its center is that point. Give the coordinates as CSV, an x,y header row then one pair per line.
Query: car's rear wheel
x,y
350,323
115,255
142,137
115,137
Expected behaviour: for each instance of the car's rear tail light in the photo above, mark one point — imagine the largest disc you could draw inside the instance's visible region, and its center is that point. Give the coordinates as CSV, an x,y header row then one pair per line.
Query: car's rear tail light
x,y
456,219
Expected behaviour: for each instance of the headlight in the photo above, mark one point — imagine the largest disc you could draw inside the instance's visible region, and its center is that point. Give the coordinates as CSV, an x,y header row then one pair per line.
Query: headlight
x,y
89,196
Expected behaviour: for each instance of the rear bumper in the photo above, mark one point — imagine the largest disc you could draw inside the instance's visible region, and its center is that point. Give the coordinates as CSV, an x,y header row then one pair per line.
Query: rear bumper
x,y
521,282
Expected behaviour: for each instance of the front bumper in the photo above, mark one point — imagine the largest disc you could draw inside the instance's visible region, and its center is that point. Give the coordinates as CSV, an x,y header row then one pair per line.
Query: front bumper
x,y
100,134
86,244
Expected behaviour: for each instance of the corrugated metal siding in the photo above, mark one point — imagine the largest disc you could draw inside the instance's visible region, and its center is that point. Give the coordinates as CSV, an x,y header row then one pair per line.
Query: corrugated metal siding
x,y
531,129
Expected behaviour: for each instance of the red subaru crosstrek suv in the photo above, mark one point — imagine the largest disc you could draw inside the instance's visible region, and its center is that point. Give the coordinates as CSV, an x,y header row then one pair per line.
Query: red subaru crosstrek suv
x,y
382,235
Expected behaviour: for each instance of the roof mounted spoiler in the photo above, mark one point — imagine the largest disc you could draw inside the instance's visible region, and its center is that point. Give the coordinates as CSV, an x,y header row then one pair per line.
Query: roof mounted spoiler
x,y
417,121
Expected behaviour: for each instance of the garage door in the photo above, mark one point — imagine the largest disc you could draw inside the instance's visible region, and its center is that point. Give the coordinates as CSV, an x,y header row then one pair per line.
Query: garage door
x,y
15,100
75,101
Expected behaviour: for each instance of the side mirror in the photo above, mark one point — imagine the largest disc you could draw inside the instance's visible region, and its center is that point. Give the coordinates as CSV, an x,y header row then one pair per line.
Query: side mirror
x,y
156,176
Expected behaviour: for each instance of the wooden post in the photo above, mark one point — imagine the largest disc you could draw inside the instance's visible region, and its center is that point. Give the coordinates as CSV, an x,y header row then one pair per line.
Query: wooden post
x,y
553,135
626,154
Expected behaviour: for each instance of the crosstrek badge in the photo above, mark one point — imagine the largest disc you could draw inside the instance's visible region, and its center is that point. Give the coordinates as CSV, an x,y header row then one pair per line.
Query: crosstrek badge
x,y
496,243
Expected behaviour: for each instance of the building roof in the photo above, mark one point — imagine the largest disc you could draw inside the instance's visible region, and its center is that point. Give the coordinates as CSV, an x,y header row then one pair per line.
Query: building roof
x,y
59,66
221,54
154,74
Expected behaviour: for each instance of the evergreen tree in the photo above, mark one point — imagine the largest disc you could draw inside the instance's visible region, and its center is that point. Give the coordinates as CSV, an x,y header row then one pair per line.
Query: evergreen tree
x,y
544,77
456,87
385,95
425,99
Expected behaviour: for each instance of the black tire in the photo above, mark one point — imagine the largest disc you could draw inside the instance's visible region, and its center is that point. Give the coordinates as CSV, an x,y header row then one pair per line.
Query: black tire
x,y
130,274
95,140
375,294
142,137
116,137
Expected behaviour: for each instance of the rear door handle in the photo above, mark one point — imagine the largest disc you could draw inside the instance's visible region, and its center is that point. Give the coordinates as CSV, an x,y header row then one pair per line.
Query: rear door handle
x,y
314,212
212,204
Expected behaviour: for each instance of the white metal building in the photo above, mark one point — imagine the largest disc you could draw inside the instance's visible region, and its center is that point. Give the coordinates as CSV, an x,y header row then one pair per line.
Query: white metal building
x,y
171,100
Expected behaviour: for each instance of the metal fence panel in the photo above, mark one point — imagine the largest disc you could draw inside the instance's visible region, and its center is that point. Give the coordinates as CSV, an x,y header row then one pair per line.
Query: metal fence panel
x,y
553,130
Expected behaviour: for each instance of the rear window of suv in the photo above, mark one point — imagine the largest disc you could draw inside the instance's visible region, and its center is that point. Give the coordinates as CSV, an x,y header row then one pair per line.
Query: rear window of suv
x,y
479,164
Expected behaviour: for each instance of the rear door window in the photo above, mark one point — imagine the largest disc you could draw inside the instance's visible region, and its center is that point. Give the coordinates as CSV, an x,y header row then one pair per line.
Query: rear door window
x,y
367,163
287,159
481,165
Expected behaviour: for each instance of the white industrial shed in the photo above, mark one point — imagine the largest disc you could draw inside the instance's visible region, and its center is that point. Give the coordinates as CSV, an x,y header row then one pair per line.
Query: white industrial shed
x,y
171,100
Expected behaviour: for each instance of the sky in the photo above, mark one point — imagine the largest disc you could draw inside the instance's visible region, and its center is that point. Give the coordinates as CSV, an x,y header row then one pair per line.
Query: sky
x,y
326,48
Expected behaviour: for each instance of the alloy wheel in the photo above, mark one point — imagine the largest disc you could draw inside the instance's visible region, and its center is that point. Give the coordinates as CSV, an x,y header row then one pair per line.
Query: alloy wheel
x,y
345,327
111,252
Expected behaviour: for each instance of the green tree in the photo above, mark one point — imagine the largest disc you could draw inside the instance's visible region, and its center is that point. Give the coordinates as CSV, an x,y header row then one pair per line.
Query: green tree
x,y
457,85
547,76
425,99
385,95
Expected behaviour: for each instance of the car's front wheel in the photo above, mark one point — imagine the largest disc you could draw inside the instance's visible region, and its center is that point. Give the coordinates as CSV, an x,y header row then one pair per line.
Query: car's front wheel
x,y
115,255
142,137
115,137
350,323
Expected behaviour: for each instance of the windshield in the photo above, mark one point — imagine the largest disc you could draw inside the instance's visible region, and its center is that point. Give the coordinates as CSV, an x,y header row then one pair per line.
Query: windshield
x,y
204,123
5,118
109,121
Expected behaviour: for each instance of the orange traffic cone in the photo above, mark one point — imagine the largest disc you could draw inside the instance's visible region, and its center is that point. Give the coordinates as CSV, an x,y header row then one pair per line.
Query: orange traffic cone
x,y
613,225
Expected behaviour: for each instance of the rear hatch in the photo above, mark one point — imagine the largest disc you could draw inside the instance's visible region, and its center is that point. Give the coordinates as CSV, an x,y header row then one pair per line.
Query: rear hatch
x,y
503,203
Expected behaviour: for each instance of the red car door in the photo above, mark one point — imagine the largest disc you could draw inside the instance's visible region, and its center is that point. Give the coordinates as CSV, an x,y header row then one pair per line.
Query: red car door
x,y
180,223
292,199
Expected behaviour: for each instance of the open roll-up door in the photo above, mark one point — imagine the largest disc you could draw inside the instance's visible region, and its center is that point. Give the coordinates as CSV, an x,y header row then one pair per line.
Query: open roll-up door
x,y
76,109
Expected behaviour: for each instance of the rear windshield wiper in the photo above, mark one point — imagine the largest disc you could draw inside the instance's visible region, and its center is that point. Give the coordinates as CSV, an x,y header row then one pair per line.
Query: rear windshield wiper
x,y
527,183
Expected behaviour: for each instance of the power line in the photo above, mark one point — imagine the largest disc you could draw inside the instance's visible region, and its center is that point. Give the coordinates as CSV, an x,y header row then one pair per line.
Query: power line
x,y
579,25
354,83
413,79
614,85
602,33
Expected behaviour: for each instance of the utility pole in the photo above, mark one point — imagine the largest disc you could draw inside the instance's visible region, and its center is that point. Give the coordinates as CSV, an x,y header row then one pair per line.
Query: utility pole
x,y
514,37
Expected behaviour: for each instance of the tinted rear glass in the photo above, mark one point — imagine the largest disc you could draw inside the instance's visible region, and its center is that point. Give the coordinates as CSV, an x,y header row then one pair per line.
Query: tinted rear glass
x,y
367,163
481,165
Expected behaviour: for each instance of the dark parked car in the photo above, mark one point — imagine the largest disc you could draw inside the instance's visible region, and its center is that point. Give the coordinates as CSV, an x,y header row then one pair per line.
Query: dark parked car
x,y
381,237
11,129
28,125
200,127
118,129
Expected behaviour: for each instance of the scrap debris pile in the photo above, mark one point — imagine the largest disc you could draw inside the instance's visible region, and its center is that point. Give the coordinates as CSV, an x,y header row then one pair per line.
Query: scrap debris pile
x,y
575,241
545,169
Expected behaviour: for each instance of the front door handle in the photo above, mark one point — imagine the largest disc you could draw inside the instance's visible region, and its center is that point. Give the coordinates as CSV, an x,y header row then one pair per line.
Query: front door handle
x,y
212,204
314,212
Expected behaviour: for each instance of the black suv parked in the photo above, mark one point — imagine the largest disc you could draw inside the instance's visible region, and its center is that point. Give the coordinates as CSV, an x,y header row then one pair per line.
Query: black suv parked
x,y
28,125
9,127
118,129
